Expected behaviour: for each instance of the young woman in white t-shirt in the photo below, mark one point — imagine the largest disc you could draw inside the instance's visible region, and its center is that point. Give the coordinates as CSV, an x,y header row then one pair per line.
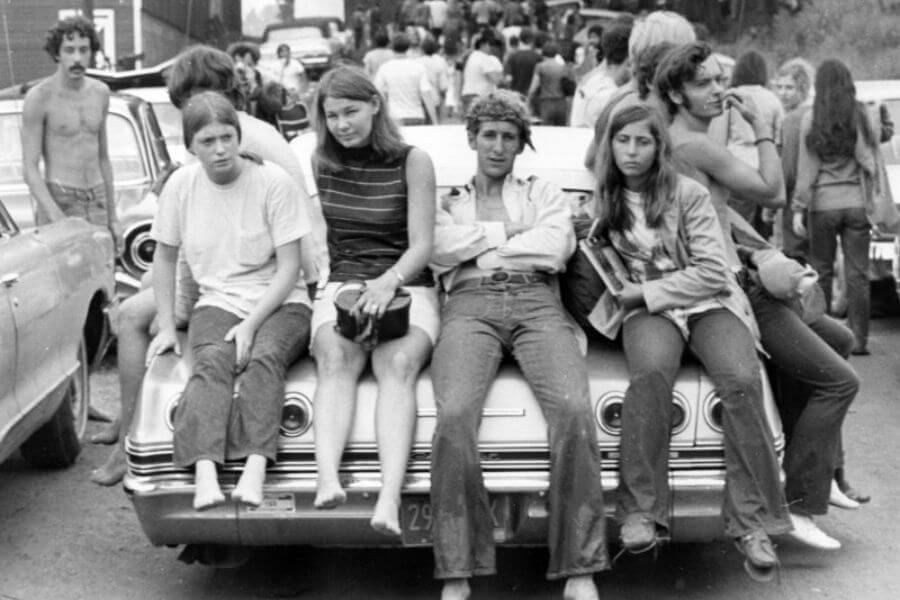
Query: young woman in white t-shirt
x,y
240,223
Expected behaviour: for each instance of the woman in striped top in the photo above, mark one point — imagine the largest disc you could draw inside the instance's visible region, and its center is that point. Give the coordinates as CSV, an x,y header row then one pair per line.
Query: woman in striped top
x,y
378,198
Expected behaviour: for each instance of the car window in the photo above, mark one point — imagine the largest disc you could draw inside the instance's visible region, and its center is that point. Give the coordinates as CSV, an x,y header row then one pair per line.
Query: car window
x,y
124,149
10,150
295,33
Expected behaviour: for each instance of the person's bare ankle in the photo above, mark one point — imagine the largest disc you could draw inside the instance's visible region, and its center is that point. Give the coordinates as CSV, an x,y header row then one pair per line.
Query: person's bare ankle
x,y
329,494
113,470
456,589
108,434
207,492
581,587
386,519
249,489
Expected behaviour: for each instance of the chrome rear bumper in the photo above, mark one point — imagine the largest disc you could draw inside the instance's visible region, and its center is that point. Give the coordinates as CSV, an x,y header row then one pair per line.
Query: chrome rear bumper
x,y
163,506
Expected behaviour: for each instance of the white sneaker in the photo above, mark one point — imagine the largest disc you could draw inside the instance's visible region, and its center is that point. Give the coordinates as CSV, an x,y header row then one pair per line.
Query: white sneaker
x,y
807,532
839,498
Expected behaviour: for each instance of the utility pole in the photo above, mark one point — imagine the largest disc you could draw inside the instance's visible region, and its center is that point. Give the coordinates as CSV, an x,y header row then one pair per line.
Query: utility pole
x,y
87,8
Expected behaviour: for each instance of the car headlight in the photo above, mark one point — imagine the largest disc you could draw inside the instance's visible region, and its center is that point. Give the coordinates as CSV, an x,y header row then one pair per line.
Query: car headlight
x,y
296,415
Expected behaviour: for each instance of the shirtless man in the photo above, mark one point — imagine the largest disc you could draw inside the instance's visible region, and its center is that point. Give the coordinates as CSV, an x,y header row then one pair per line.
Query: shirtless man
x,y
689,80
64,123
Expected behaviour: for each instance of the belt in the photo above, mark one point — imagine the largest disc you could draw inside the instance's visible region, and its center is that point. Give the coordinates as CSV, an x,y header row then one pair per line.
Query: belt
x,y
500,277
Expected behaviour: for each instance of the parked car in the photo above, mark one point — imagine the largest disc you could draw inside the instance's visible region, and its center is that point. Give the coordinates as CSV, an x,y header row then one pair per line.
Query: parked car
x,y
168,117
317,42
513,444
138,154
57,283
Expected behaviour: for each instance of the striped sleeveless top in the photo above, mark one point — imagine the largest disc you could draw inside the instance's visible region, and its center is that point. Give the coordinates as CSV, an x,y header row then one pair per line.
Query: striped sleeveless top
x,y
365,207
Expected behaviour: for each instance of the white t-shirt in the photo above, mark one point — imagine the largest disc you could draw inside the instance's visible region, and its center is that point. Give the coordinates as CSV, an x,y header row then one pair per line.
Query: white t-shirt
x,y
229,232
405,83
475,75
592,95
290,75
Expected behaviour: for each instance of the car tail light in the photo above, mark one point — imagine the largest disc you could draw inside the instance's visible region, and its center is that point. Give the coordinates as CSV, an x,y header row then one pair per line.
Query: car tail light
x,y
608,413
679,415
139,248
296,415
713,413
170,412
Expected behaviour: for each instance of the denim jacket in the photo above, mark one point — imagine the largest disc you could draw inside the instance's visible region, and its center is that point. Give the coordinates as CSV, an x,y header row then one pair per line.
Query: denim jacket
x,y
691,233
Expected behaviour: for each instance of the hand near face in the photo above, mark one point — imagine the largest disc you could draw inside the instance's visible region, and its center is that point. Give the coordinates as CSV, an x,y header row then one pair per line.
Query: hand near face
x,y
744,104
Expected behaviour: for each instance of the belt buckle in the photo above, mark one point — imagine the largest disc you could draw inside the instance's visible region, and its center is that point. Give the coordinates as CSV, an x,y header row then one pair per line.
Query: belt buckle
x,y
499,276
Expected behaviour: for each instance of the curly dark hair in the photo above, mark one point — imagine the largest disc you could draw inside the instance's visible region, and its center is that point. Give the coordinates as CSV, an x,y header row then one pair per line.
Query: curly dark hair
x,y
66,29
837,117
679,67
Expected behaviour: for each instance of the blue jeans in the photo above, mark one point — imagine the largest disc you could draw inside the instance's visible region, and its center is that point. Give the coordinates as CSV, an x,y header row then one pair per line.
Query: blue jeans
x,y
852,225
815,388
215,422
753,497
479,324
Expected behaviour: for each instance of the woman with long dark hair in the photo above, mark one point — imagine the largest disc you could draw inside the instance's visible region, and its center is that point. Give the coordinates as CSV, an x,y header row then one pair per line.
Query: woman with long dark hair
x,y
378,198
837,157
679,292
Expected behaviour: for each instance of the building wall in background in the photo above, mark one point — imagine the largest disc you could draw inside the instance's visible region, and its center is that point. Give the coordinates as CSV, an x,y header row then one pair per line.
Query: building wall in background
x,y
22,55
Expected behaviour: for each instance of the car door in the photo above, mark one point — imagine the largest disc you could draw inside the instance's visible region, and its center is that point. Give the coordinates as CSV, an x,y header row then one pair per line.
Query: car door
x,y
31,286
8,406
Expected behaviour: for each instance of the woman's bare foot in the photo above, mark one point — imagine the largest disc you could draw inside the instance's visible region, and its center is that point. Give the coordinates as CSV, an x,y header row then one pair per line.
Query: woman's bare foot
x,y
108,435
112,471
455,589
329,494
581,587
207,492
250,485
386,520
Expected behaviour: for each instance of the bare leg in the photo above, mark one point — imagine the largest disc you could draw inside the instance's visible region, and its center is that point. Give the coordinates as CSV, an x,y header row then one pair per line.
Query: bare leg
x,y
250,485
339,363
396,365
207,492
455,589
581,587
135,317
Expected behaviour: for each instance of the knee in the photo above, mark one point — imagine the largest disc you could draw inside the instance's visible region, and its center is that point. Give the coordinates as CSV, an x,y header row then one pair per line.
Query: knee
x,y
212,358
134,315
336,360
400,366
739,380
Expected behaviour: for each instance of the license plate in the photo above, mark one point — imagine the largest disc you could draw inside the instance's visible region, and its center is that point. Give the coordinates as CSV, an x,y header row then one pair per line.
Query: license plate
x,y
417,520
275,503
